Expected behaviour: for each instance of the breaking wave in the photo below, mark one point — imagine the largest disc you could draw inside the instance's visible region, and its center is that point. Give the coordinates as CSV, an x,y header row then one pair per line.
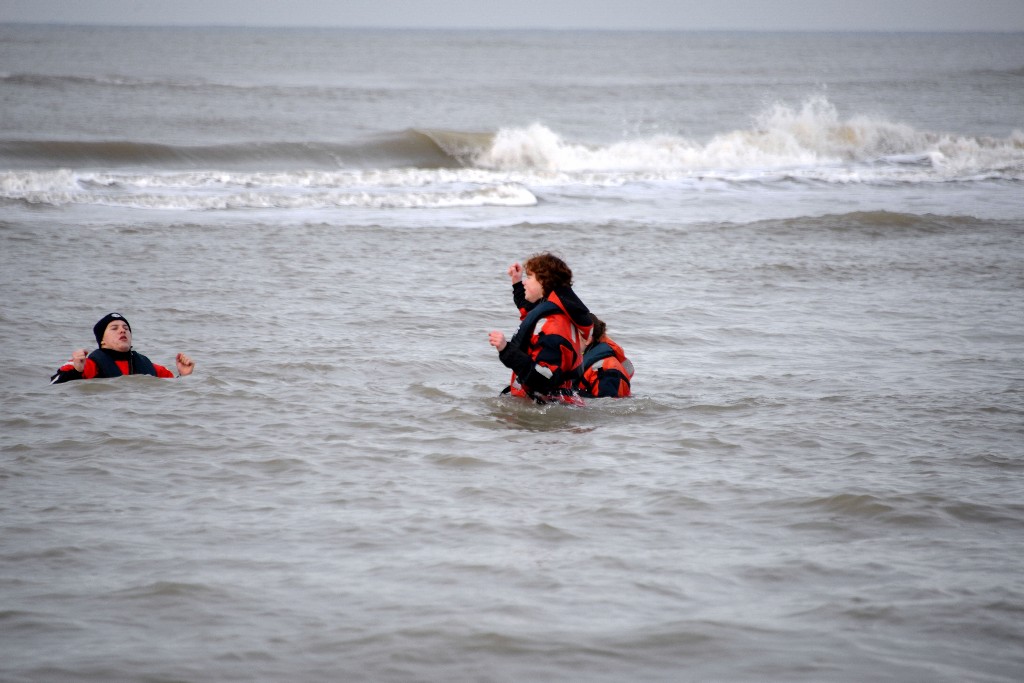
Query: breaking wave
x,y
430,168
812,137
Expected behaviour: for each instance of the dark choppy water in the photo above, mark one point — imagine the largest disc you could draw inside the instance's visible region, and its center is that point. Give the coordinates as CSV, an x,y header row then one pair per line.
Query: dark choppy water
x,y
816,266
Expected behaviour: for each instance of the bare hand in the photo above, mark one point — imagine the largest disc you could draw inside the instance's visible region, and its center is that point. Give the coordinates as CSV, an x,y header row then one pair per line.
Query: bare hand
x,y
497,340
78,359
185,365
515,271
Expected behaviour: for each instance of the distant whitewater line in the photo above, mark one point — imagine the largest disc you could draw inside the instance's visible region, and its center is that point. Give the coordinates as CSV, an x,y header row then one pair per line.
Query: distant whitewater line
x,y
204,191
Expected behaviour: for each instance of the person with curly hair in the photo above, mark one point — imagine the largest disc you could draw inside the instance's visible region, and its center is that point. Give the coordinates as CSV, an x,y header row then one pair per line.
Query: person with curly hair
x,y
546,352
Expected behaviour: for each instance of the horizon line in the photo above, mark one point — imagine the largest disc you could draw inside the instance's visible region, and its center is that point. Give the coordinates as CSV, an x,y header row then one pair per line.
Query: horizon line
x,y
384,27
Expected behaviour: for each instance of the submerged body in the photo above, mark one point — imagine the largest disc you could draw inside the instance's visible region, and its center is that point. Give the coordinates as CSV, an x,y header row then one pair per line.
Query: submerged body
x,y
115,356
110,363
606,370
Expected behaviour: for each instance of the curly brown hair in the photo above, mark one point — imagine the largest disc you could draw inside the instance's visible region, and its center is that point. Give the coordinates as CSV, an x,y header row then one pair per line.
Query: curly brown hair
x,y
549,270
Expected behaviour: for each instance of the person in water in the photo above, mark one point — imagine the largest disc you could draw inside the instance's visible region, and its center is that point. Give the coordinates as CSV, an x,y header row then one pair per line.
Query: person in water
x,y
606,370
115,356
546,352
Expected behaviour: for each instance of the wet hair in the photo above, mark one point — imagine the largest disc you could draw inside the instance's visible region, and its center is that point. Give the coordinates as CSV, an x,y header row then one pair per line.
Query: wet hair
x,y
549,270
599,329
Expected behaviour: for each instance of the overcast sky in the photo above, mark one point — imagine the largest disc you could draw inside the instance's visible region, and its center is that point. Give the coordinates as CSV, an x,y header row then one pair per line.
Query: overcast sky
x,y
800,15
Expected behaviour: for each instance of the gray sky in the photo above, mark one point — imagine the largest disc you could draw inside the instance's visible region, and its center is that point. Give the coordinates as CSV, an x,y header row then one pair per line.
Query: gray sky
x,y
800,15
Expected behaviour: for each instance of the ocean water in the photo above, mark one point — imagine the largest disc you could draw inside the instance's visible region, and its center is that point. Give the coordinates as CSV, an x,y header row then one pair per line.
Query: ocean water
x,y
810,245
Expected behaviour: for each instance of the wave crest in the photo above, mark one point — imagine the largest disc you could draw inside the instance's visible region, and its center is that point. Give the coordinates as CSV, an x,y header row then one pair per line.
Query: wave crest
x,y
806,146
782,137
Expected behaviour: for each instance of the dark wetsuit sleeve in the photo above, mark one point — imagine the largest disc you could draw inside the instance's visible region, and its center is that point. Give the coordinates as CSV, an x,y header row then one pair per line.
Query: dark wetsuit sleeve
x,y
519,299
543,375
610,383
65,373
515,360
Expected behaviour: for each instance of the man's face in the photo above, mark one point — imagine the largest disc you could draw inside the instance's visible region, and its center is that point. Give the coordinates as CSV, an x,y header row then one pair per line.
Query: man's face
x,y
118,336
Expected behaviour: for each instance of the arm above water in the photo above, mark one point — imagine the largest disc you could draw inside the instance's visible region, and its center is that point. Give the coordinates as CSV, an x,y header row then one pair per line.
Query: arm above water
x,y
76,368
544,374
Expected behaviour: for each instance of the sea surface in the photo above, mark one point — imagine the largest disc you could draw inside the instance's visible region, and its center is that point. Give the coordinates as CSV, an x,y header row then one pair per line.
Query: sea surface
x,y
810,245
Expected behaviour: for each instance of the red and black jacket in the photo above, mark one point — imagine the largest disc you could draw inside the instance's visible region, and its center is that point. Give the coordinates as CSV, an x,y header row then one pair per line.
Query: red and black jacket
x,y
606,370
110,363
545,354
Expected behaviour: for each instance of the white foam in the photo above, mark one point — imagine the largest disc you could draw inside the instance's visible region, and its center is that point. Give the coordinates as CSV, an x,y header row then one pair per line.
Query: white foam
x,y
806,146
812,135
203,191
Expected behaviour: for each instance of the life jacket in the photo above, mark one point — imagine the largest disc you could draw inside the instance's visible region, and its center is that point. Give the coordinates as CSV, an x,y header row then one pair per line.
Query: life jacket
x,y
106,366
552,317
606,370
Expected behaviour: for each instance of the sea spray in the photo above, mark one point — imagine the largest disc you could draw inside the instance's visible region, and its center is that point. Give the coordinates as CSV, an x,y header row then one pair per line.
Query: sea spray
x,y
808,136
